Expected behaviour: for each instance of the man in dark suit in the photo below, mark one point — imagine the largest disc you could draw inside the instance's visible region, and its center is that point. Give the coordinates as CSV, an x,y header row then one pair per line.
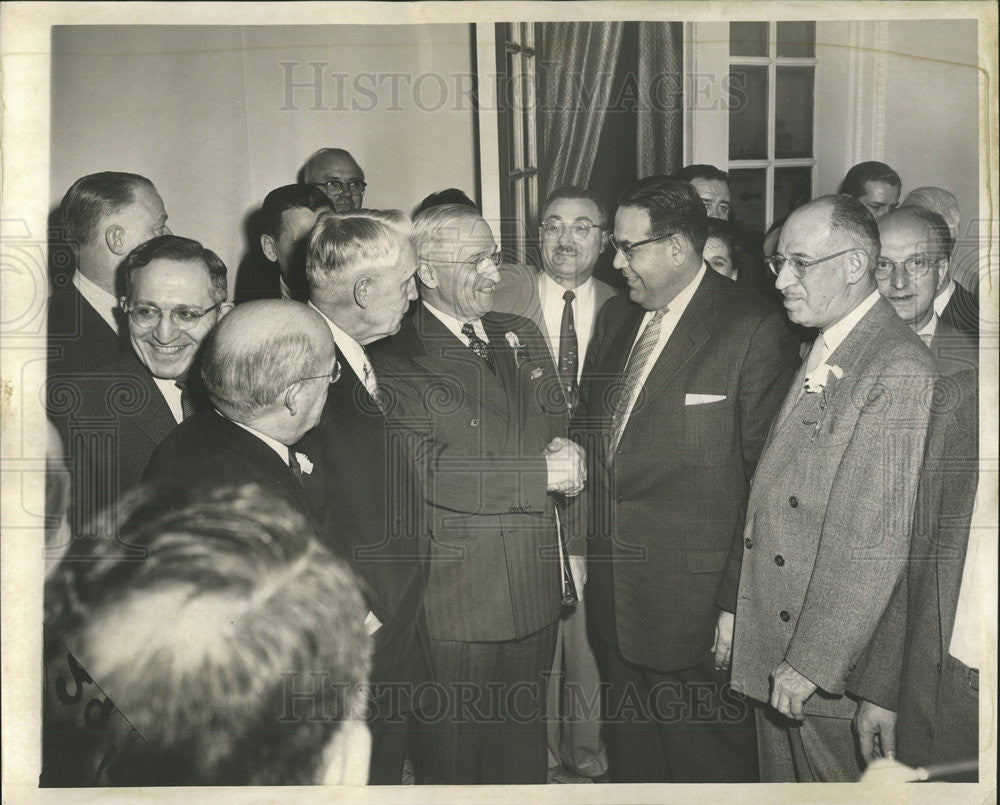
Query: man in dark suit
x,y
104,216
287,217
481,392
682,382
563,299
828,517
113,416
361,276
267,373
919,679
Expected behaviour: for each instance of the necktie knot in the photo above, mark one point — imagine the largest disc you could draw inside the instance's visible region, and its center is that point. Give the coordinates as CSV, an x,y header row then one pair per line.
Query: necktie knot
x,y
569,296
188,406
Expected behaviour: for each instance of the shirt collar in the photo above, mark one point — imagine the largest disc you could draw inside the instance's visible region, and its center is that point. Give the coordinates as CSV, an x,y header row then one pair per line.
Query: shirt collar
x,y
350,349
283,451
930,327
679,303
552,289
944,297
455,325
103,302
836,333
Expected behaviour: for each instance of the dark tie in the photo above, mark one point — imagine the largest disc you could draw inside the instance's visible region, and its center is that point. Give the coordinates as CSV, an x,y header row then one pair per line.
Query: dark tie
x,y
632,375
293,465
569,353
477,345
188,406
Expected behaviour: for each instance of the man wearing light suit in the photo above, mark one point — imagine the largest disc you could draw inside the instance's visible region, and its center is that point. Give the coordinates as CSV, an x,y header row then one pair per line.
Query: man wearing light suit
x,y
682,382
481,391
828,519
563,299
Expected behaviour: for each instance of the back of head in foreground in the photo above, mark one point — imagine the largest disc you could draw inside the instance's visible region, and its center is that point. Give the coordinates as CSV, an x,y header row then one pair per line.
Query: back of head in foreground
x,y
235,648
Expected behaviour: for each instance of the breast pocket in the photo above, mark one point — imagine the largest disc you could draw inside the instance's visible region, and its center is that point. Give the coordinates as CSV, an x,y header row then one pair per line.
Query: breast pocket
x,y
707,434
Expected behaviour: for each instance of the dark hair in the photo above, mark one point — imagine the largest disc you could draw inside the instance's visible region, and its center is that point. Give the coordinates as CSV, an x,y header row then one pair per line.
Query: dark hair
x,y
935,223
451,195
92,198
854,183
184,250
569,191
710,172
849,215
290,197
674,207
257,695
730,234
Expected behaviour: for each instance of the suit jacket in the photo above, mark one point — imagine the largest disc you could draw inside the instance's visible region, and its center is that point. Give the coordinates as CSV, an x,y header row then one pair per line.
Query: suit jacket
x,y
373,518
661,513
962,311
828,519
954,350
494,565
901,668
79,339
110,419
207,450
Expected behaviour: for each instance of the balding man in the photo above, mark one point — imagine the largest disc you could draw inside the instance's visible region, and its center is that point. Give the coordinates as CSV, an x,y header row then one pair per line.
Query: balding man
x,y
360,266
828,518
336,173
104,216
481,391
912,267
267,373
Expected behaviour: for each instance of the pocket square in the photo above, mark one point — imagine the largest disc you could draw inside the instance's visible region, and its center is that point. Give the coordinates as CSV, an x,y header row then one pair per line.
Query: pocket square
x,y
536,373
701,399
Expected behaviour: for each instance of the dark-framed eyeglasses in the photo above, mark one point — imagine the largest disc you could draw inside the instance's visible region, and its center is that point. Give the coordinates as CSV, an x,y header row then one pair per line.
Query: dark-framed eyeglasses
x,y
496,258
797,265
335,187
628,248
331,377
184,317
915,265
578,229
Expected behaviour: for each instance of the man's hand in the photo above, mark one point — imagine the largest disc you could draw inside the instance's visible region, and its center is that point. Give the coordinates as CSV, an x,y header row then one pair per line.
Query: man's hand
x,y
723,645
876,728
790,691
567,470
578,569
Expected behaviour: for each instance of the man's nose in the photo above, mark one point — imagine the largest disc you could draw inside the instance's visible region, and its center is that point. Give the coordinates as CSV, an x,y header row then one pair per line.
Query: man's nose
x,y
785,278
900,276
619,262
165,330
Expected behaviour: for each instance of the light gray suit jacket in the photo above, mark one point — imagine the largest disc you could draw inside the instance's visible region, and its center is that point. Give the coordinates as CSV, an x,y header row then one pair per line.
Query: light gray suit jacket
x,y
828,518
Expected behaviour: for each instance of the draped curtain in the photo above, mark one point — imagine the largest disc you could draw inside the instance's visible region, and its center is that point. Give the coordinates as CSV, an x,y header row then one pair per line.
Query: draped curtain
x,y
660,111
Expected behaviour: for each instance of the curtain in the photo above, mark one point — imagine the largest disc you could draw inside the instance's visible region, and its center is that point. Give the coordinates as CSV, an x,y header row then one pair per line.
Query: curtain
x,y
660,113
576,76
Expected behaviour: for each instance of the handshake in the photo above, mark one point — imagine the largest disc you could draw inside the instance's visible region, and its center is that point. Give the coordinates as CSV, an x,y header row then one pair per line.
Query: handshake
x,y
566,467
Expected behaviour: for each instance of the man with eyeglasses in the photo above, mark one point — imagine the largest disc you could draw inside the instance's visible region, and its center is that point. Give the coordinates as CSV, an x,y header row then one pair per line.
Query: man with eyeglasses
x,y
267,368
828,517
360,271
912,268
175,292
682,382
336,173
480,392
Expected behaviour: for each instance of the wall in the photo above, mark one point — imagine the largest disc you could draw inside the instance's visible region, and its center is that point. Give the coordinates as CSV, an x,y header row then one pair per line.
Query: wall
x,y
218,116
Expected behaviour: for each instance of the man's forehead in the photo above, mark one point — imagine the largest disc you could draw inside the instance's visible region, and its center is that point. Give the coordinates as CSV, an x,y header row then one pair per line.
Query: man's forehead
x,y
711,187
905,232
571,209
336,166
189,275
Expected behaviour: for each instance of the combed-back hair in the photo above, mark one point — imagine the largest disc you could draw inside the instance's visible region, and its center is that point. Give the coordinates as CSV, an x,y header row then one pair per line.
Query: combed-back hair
x,y
184,250
290,197
940,232
569,191
344,240
450,195
235,647
850,216
305,172
93,198
673,206
856,178
710,172
938,200
440,224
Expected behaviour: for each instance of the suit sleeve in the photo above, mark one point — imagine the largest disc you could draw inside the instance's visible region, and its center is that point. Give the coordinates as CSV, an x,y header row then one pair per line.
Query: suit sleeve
x,y
864,543
877,674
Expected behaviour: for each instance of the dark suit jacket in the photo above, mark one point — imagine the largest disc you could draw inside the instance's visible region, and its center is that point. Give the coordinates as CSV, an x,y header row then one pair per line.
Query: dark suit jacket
x,y
955,351
373,518
901,669
663,510
962,311
494,572
79,339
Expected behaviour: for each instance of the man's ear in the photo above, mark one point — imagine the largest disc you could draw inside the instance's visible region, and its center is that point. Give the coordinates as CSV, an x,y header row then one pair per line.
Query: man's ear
x,y
679,248
347,756
114,237
224,308
362,292
604,240
858,265
427,275
292,398
122,301
267,246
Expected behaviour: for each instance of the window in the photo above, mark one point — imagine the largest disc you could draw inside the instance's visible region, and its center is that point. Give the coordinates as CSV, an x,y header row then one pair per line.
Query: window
x,y
771,83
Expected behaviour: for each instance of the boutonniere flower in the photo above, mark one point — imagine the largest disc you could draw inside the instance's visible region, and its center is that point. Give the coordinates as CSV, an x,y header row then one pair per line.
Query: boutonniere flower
x,y
816,382
515,344
304,463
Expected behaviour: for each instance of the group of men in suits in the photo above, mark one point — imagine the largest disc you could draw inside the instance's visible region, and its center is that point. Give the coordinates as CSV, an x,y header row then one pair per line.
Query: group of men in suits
x,y
548,489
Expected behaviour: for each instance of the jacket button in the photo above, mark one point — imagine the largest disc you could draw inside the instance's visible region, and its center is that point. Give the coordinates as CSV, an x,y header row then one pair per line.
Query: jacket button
x,y
793,501
784,616
748,543
619,499
474,422
938,668
779,560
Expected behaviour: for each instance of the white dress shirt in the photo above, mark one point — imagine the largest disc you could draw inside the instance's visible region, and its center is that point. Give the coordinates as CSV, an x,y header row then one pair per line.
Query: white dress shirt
x,y
835,334
172,394
942,299
351,351
926,332
100,300
455,325
977,595
550,295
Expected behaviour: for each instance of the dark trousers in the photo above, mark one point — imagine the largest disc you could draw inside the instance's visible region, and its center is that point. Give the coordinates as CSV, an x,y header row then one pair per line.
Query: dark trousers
x,y
684,726
483,717
389,742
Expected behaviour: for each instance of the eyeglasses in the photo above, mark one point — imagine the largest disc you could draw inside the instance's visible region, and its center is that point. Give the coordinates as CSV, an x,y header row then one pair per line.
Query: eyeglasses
x,y
183,318
332,376
579,229
496,258
627,248
335,187
797,266
916,266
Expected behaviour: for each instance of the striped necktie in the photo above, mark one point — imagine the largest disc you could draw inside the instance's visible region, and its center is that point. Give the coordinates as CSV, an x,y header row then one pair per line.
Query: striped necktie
x,y
632,376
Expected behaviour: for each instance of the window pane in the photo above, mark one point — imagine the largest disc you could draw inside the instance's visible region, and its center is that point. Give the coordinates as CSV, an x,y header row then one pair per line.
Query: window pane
x,y
792,189
797,39
793,112
746,187
748,39
748,113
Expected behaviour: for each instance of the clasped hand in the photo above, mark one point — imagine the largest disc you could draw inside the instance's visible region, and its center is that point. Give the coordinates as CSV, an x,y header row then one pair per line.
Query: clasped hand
x,y
567,470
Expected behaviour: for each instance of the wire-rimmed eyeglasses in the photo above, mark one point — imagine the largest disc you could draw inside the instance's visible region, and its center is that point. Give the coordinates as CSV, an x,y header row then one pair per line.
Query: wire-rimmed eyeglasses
x,y
183,318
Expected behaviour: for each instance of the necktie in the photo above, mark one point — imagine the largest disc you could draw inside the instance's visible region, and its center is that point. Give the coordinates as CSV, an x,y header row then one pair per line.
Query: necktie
x,y
632,375
814,359
293,465
371,385
188,406
927,338
569,357
477,345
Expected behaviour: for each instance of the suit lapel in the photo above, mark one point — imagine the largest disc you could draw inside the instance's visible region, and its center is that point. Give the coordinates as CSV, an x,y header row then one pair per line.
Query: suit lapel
x,y
157,421
347,401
